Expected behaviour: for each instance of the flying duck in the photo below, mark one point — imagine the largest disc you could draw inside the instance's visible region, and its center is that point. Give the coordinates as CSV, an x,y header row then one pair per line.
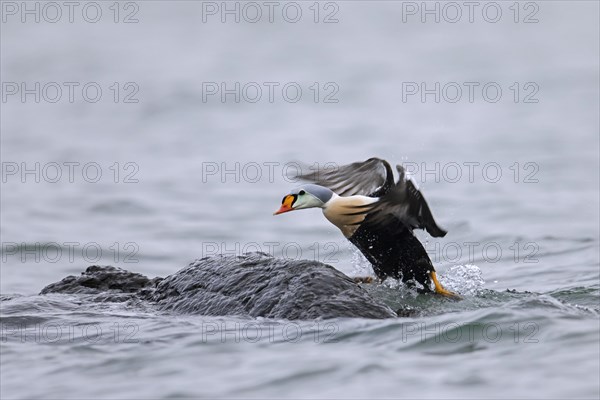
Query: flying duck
x,y
377,215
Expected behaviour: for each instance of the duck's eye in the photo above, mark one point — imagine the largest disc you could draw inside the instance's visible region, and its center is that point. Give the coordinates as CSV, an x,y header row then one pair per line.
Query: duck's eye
x,y
301,192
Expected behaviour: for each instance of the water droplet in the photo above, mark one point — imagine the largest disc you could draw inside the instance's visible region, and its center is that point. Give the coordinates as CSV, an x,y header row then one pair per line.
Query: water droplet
x,y
463,279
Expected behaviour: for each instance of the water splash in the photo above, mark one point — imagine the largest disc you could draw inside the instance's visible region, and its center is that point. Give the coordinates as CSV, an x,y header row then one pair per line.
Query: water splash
x,y
463,279
402,290
360,265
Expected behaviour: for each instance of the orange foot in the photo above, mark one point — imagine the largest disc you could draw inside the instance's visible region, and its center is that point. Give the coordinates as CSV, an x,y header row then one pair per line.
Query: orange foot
x,y
439,289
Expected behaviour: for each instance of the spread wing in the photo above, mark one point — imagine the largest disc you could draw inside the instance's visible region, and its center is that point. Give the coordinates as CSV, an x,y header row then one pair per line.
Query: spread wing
x,y
373,177
406,203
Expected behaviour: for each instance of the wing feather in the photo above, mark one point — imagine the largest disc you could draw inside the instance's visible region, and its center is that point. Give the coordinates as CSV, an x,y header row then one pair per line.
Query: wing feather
x,y
372,177
406,203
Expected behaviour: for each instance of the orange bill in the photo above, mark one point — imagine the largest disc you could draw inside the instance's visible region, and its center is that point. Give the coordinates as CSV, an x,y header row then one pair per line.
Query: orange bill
x,y
286,204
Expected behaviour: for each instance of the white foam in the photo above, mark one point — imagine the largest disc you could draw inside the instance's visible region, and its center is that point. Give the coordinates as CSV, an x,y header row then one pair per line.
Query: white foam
x,y
463,279
360,265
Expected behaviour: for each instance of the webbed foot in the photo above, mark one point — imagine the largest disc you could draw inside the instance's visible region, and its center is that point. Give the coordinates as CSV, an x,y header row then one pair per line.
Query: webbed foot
x,y
439,289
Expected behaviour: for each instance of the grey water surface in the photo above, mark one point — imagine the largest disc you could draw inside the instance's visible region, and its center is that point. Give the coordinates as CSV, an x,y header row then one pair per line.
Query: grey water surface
x,y
153,143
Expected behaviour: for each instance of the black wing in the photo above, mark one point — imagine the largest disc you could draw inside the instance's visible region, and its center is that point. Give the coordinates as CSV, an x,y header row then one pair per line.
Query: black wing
x,y
373,177
406,203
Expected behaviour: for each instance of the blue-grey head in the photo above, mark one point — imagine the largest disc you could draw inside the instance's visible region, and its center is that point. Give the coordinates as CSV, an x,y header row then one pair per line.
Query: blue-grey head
x,y
305,196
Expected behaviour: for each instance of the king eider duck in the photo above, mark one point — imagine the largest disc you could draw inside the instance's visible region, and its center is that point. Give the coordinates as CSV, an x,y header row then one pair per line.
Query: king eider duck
x,y
377,215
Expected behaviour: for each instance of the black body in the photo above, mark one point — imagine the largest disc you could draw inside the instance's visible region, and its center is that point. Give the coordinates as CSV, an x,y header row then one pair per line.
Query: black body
x,y
394,252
